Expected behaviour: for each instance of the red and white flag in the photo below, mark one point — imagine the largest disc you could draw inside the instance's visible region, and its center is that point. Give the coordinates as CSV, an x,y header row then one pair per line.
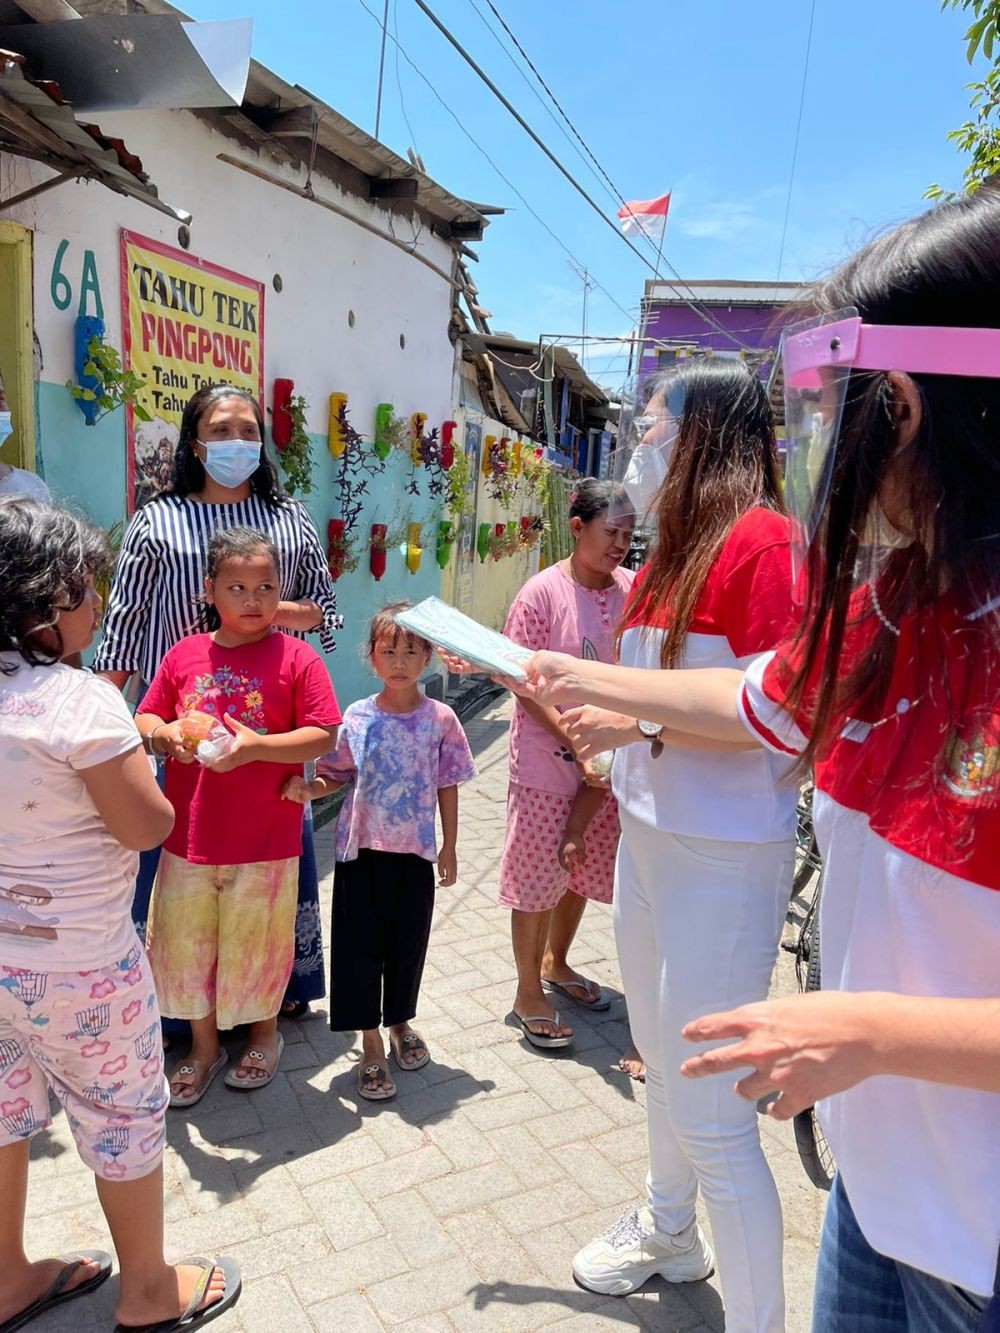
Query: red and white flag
x,y
645,217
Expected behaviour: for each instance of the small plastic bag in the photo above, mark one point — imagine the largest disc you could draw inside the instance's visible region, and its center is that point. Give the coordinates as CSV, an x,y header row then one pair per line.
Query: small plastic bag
x,y
206,736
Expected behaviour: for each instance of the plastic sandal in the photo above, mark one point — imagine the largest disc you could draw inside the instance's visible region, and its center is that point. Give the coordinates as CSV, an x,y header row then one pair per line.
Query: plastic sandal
x,y
253,1084
539,1039
182,1103
365,1074
565,988
192,1317
57,1293
409,1041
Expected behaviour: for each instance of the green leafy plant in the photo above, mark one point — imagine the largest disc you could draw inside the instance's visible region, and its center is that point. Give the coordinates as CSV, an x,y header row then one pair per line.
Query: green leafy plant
x,y
537,474
979,138
114,534
296,457
457,497
115,387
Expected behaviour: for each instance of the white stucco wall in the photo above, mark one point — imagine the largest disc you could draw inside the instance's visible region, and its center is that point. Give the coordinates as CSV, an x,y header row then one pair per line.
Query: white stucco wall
x,y
328,267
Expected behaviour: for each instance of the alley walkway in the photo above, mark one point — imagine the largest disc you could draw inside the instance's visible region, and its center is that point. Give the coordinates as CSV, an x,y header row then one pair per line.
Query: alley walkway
x,y
458,1205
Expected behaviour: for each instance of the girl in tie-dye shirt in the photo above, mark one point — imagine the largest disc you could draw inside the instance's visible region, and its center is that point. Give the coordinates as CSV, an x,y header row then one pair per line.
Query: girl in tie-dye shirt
x,y
401,756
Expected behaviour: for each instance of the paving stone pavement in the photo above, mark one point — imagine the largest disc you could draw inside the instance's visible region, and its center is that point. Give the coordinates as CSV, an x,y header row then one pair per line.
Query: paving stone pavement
x,y
456,1206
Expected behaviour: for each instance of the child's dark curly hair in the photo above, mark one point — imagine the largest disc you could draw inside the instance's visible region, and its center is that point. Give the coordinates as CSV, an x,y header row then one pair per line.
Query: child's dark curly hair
x,y
46,557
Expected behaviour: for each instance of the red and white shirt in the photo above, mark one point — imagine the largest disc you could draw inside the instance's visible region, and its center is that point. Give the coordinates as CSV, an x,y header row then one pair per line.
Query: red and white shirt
x,y
907,814
745,609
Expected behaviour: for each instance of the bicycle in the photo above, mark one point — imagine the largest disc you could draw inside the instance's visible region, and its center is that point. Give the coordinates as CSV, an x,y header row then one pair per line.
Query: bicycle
x,y
814,1151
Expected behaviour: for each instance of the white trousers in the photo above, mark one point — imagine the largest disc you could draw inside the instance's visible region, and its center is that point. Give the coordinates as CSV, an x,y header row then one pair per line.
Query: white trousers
x,y
697,922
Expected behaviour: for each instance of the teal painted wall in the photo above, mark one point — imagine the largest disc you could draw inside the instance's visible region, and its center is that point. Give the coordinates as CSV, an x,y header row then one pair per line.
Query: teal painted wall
x,y
84,466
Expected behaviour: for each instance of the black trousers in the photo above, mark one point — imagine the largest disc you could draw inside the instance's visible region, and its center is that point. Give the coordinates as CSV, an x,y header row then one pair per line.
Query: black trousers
x,y
382,908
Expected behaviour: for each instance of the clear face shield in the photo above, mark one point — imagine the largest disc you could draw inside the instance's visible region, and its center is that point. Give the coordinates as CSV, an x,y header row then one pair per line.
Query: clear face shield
x,y
648,426
817,358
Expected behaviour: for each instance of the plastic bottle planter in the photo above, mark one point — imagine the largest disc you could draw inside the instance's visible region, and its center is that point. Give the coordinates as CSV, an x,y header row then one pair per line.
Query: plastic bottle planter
x,y
515,457
376,558
445,540
335,437
87,327
483,540
499,533
414,551
383,421
448,429
281,412
511,537
488,446
336,552
417,423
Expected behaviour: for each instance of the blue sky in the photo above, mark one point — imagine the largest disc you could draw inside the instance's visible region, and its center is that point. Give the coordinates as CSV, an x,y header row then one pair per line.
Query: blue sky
x,y
698,96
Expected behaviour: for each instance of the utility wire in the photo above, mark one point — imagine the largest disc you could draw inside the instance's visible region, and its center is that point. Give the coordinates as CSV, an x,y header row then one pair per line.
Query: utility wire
x,y
506,180
529,83
453,41
399,82
795,147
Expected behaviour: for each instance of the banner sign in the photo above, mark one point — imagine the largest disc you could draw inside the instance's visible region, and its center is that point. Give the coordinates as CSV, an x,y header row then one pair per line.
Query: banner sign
x,y
185,323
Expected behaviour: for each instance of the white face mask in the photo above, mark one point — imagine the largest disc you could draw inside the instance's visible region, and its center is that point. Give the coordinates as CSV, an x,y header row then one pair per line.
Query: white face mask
x,y
647,471
6,428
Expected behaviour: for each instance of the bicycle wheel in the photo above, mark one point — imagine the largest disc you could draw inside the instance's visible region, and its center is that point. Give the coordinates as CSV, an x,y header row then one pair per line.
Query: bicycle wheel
x,y
814,1151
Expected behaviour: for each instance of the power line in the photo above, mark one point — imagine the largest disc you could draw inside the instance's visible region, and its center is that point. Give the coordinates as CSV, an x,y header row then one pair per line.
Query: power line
x,y
453,41
399,82
506,180
795,147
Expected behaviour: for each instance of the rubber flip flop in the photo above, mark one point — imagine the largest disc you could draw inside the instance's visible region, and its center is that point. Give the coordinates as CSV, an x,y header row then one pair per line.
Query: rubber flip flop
x,y
184,1102
253,1084
539,1039
192,1316
565,989
57,1293
295,1009
375,1070
408,1041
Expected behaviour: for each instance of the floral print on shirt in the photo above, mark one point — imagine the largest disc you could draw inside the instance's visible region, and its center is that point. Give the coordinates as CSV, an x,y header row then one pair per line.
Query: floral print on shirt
x,y
228,691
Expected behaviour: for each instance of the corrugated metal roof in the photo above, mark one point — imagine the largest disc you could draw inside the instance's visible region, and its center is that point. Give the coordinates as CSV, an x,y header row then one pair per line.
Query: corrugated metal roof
x,y
40,125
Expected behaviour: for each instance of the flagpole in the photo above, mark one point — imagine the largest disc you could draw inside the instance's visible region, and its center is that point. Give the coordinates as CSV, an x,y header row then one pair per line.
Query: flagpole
x,y
644,313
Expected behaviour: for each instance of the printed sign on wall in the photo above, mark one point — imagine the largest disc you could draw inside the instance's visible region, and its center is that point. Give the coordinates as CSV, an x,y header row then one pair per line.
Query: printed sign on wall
x,y
186,323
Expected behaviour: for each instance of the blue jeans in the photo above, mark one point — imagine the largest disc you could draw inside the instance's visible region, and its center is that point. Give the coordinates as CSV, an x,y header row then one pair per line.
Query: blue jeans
x,y
861,1291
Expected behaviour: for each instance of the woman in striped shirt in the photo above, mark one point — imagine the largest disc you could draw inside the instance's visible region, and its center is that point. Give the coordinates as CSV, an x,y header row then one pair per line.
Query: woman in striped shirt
x,y
222,478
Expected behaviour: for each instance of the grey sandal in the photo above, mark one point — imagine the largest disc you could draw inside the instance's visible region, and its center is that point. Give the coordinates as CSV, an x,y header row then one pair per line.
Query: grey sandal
x,y
58,1292
253,1084
540,1039
600,1002
192,1316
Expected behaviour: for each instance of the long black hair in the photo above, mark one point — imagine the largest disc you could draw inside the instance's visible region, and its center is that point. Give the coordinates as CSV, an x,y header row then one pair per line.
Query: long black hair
x,y
939,269
724,463
188,473
46,557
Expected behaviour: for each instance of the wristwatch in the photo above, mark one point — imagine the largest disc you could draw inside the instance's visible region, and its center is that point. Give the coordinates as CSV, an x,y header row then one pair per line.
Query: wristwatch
x,y
652,732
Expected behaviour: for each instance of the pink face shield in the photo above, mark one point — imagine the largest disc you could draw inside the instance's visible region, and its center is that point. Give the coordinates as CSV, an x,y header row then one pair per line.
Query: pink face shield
x,y
817,357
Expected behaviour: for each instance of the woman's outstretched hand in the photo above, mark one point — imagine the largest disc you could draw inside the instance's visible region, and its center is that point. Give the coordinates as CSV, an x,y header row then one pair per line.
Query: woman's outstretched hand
x,y
552,679
595,730
802,1047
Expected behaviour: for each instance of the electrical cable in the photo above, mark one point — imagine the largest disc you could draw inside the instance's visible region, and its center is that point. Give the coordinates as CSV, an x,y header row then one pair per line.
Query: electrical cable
x,y
795,147
506,180
399,82
584,194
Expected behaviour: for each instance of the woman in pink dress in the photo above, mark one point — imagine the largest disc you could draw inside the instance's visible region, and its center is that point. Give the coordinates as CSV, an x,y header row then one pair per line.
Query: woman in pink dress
x,y
573,607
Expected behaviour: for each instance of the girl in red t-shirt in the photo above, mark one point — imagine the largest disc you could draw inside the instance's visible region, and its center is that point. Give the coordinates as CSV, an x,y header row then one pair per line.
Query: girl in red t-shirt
x,y
890,690
223,923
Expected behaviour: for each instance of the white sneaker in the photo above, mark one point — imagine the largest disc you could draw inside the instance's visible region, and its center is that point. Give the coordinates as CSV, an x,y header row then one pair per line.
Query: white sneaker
x,y
632,1251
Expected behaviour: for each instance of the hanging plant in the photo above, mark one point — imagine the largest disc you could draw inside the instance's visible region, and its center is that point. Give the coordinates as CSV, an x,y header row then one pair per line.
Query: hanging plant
x,y
447,535
296,457
532,528
501,483
458,500
104,386
357,466
537,474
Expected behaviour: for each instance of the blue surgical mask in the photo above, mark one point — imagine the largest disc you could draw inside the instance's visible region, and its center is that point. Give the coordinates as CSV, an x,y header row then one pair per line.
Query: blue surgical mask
x,y
231,462
5,427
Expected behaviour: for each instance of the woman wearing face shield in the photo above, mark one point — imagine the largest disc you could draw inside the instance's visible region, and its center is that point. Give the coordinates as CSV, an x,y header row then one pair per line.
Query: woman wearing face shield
x,y
222,478
705,862
889,689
